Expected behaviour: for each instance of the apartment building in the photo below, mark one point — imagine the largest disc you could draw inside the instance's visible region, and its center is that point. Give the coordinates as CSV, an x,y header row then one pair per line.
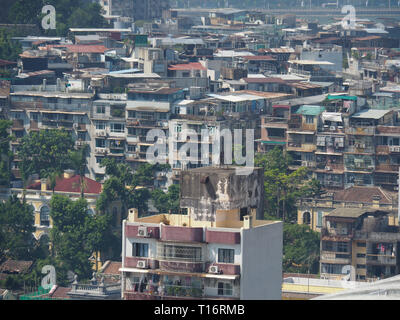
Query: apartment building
x,y
36,110
310,211
360,241
174,256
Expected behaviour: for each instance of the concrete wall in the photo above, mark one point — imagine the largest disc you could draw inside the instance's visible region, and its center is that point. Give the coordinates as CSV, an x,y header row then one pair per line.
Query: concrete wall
x,y
224,191
261,267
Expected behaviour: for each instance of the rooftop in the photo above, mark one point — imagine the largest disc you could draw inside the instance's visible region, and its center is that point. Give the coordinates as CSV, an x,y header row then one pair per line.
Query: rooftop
x,y
370,114
72,185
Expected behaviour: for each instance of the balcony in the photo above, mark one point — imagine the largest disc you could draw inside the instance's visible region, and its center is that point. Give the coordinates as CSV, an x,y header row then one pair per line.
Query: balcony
x,y
34,126
132,231
359,167
222,237
132,262
378,259
301,147
81,127
360,131
181,266
183,234
394,149
18,124
330,167
334,257
387,168
360,148
382,150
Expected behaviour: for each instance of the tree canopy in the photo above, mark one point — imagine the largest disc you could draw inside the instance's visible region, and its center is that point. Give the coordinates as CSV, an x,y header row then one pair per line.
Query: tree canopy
x,y
166,202
45,152
76,234
300,249
16,228
283,187
69,13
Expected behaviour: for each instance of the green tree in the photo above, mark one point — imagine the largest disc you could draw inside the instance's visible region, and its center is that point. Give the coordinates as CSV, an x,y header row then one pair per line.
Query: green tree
x,y
9,50
78,163
300,249
167,202
283,187
76,235
5,152
16,229
44,152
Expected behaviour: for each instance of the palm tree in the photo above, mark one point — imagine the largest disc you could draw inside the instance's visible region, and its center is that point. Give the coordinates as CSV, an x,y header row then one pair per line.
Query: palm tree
x,y
78,163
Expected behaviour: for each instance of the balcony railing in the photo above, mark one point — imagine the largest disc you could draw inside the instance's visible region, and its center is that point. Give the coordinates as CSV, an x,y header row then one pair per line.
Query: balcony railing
x,y
357,130
381,259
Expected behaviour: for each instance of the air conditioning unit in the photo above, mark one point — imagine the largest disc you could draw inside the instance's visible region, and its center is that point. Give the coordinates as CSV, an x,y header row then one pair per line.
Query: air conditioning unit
x,y
141,264
101,134
75,125
213,269
142,232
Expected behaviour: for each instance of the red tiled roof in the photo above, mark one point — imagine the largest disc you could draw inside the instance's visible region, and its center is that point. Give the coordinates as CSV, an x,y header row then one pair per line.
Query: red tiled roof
x,y
15,266
187,66
368,38
362,194
72,185
113,268
60,293
6,63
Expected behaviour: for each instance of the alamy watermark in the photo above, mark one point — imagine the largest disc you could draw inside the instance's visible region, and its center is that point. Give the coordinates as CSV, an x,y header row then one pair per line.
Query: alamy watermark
x,y
49,20
211,146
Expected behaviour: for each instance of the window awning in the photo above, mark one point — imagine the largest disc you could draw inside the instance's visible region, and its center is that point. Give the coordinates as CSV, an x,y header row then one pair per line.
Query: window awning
x,y
331,116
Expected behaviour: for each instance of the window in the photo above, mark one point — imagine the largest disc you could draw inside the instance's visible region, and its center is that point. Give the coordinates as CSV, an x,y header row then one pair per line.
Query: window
x,y
361,244
99,159
226,256
309,119
243,212
45,216
101,109
100,143
100,125
306,218
131,148
178,127
140,249
82,136
309,139
360,255
225,289
361,266
342,246
117,127
35,116
131,114
180,252
132,131
319,219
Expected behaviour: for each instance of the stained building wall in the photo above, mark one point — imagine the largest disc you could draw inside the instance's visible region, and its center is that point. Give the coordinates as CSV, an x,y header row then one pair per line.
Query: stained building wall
x,y
208,189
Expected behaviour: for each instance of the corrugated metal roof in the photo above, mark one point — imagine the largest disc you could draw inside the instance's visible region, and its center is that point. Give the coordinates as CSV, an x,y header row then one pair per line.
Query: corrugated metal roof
x,y
370,114
310,110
